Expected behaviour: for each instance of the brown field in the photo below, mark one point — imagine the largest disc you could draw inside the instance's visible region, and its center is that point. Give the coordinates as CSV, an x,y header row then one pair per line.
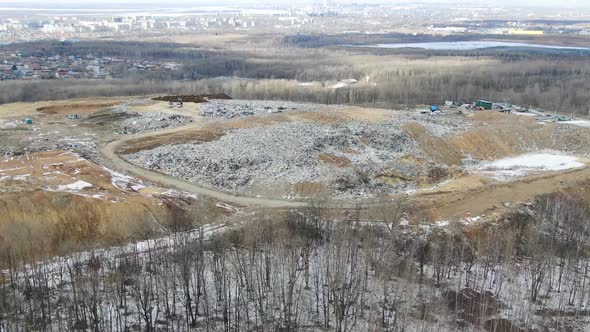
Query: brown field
x,y
39,201
68,108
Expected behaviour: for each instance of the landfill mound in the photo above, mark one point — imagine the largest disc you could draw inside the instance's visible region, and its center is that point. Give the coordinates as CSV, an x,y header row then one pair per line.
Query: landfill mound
x,y
290,150
353,159
121,120
203,98
241,108
141,122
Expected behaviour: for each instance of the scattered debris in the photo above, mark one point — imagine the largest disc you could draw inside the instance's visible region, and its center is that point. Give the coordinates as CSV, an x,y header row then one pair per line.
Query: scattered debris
x,y
241,108
364,158
193,98
140,122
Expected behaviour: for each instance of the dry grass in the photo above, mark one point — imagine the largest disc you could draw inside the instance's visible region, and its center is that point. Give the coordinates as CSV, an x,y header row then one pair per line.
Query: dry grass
x,y
438,148
67,108
495,135
35,212
57,223
84,105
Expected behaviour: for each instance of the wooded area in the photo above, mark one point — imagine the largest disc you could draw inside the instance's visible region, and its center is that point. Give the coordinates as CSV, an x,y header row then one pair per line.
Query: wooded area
x,y
263,71
305,272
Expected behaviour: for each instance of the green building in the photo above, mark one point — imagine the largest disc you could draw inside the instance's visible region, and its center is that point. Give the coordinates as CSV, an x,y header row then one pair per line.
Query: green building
x,y
486,105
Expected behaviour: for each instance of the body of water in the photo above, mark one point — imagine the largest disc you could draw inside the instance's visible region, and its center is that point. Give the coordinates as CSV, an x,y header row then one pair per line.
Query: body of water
x,y
473,45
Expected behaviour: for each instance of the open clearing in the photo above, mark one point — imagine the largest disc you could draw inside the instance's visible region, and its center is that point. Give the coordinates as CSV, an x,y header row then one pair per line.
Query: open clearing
x,y
139,159
274,150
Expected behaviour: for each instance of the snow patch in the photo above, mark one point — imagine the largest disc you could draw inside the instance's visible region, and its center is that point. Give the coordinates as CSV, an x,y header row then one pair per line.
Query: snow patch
x,y
78,185
124,182
525,114
504,169
579,123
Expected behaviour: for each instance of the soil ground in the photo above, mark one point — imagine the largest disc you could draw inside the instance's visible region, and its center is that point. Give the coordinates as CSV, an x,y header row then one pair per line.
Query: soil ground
x,y
40,176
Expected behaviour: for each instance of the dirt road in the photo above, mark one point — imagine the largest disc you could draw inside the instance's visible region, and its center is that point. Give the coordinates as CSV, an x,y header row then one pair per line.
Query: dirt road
x,y
460,200
109,153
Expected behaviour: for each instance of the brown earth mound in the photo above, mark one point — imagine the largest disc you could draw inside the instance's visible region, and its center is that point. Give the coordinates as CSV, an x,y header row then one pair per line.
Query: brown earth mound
x,y
193,98
185,136
73,108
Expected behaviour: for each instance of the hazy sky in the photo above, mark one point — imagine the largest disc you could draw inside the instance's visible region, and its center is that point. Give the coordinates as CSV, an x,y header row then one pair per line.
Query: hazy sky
x,y
160,3
213,2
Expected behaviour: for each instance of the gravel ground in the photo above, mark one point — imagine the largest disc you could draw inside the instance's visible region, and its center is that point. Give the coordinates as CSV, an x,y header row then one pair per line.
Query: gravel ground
x,y
140,122
120,120
439,125
233,108
290,153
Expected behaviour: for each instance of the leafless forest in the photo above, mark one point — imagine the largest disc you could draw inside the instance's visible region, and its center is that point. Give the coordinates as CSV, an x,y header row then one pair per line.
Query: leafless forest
x,y
306,272
275,69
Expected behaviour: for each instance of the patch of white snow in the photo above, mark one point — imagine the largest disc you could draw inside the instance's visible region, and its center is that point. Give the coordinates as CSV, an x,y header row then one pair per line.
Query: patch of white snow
x,y
78,185
504,169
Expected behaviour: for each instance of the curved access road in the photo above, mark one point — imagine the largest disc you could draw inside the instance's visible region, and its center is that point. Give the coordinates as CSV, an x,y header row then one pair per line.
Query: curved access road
x,y
460,199
109,153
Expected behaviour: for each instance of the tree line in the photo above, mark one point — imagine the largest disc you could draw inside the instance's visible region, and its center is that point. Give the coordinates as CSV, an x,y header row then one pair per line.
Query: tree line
x,y
264,70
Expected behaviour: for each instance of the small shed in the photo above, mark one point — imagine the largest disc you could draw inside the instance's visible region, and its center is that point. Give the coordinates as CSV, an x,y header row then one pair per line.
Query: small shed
x,y
486,105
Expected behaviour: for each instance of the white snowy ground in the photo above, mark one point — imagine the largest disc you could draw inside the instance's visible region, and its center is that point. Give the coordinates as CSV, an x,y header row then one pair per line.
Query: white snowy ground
x,y
579,123
56,264
508,168
76,186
